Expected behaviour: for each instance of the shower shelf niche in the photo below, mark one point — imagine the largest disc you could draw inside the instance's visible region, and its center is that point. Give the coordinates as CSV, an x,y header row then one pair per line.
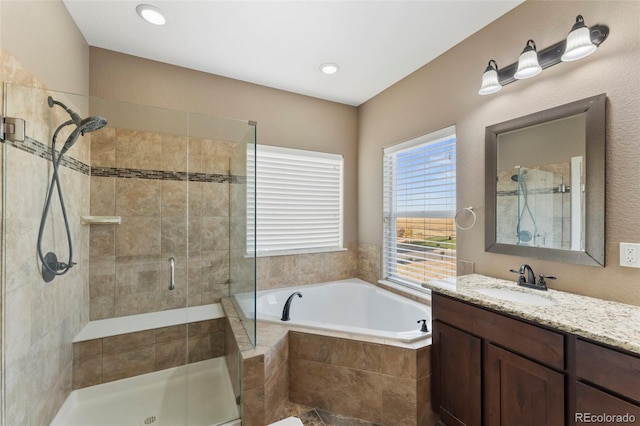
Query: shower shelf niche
x,y
101,220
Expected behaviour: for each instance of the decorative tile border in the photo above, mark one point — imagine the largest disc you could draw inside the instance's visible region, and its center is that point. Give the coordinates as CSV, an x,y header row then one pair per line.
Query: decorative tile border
x,y
41,150
120,172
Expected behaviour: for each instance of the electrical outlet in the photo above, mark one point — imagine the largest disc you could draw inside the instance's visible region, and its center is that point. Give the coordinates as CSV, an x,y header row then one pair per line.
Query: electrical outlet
x,y
630,255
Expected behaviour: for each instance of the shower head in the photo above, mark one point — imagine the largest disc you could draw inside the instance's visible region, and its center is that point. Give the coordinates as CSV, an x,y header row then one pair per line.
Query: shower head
x,y
87,125
516,177
91,124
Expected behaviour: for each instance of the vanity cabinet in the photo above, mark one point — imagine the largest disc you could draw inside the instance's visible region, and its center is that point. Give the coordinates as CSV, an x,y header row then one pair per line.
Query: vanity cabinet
x,y
521,392
608,382
457,385
490,369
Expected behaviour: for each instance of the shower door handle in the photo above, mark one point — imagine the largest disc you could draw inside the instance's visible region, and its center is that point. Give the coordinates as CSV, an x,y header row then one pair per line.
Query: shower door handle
x,y
172,275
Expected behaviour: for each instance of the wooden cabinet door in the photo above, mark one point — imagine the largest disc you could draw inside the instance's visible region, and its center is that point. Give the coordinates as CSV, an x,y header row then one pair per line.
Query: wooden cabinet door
x,y
521,392
456,387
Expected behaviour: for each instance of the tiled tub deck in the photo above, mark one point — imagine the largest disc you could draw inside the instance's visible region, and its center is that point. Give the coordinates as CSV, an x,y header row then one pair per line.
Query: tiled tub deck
x,y
293,369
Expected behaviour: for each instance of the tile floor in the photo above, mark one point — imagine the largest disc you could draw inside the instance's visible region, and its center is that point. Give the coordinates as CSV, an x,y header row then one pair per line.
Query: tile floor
x,y
318,417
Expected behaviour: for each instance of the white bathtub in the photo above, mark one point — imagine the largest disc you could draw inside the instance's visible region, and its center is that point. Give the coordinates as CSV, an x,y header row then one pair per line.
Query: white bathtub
x,y
352,306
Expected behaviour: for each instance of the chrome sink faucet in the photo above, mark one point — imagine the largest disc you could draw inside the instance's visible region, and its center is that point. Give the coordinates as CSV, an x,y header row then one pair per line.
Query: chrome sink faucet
x,y
530,280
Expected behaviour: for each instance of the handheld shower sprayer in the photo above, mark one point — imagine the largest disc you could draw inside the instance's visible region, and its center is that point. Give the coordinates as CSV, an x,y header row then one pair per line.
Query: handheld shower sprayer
x,y
87,125
50,265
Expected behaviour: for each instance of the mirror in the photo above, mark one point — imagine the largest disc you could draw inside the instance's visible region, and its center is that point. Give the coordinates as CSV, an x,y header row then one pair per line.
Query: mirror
x,y
545,184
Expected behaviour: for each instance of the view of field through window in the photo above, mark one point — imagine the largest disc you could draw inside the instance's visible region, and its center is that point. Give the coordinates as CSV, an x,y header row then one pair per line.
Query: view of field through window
x,y
426,248
419,209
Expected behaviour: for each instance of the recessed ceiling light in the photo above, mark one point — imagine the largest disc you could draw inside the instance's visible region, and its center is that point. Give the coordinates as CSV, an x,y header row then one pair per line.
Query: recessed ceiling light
x,y
151,14
329,68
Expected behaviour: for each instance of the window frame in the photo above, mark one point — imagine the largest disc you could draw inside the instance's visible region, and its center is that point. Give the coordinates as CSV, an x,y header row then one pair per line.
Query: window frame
x,y
390,207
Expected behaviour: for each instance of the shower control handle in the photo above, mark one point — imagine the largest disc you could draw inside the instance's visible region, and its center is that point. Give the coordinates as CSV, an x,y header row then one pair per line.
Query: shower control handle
x,y
424,327
172,277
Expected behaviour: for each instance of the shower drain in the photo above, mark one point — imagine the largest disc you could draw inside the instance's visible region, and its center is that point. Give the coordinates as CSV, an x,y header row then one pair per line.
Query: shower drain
x,y
149,420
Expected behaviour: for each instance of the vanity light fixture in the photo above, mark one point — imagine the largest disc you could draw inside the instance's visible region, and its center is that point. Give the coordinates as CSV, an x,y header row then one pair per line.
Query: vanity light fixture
x,y
581,42
329,68
151,14
490,83
528,65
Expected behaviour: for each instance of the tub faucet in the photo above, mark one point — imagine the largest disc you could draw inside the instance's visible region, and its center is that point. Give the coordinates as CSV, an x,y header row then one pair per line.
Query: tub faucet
x,y
287,306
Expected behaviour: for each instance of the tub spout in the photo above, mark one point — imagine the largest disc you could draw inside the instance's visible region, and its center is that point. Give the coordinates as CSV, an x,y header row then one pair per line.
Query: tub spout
x,y
287,306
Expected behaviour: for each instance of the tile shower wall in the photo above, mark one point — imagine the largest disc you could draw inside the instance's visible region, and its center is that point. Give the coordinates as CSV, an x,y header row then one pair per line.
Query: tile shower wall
x,y
141,176
44,317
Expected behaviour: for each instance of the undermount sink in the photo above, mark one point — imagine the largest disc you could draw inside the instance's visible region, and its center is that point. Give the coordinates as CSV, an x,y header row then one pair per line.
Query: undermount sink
x,y
516,296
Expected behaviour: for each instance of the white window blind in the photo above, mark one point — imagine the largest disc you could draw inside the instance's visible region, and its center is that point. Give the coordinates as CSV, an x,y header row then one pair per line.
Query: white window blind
x,y
419,203
298,203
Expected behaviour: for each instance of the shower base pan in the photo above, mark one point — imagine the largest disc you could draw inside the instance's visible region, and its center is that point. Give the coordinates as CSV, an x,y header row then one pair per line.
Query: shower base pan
x,y
198,394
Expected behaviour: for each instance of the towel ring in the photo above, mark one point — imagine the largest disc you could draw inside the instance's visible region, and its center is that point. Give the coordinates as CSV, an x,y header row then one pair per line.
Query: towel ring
x,y
466,209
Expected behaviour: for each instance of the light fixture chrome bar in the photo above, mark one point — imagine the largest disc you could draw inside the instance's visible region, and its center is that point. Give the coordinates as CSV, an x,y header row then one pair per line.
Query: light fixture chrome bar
x,y
12,129
551,55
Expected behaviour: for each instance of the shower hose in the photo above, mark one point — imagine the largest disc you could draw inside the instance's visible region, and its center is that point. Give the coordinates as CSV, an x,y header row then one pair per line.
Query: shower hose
x,y
525,193
50,265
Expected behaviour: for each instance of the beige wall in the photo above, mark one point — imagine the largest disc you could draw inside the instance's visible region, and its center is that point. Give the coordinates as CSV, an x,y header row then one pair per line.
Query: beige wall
x,y
42,37
284,119
445,92
41,47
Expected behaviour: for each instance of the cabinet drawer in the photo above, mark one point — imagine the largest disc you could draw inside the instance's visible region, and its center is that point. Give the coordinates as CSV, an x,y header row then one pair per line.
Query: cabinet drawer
x,y
609,369
592,402
542,345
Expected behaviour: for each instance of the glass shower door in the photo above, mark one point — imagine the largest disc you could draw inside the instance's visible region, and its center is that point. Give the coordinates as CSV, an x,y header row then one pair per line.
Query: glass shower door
x,y
218,260
149,206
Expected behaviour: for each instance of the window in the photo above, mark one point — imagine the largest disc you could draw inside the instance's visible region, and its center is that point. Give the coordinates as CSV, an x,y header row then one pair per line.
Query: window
x,y
419,202
298,205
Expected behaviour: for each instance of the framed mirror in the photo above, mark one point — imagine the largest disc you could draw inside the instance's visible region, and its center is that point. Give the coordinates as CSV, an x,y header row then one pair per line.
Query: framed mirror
x,y
545,182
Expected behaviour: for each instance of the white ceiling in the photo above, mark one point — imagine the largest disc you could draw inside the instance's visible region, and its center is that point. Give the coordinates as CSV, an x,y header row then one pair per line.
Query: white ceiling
x,y
281,44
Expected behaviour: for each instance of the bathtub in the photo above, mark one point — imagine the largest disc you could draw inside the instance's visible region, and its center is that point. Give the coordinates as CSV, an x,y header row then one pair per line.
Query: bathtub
x,y
351,306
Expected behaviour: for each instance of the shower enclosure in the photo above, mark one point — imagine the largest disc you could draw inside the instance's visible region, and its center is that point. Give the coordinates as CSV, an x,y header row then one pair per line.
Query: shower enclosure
x,y
156,207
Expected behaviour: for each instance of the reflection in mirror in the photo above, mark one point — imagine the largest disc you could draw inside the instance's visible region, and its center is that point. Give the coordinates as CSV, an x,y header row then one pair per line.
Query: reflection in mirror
x,y
545,184
539,194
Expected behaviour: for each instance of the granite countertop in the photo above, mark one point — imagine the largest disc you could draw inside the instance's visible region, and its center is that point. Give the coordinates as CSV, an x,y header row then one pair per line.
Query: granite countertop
x,y
612,323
